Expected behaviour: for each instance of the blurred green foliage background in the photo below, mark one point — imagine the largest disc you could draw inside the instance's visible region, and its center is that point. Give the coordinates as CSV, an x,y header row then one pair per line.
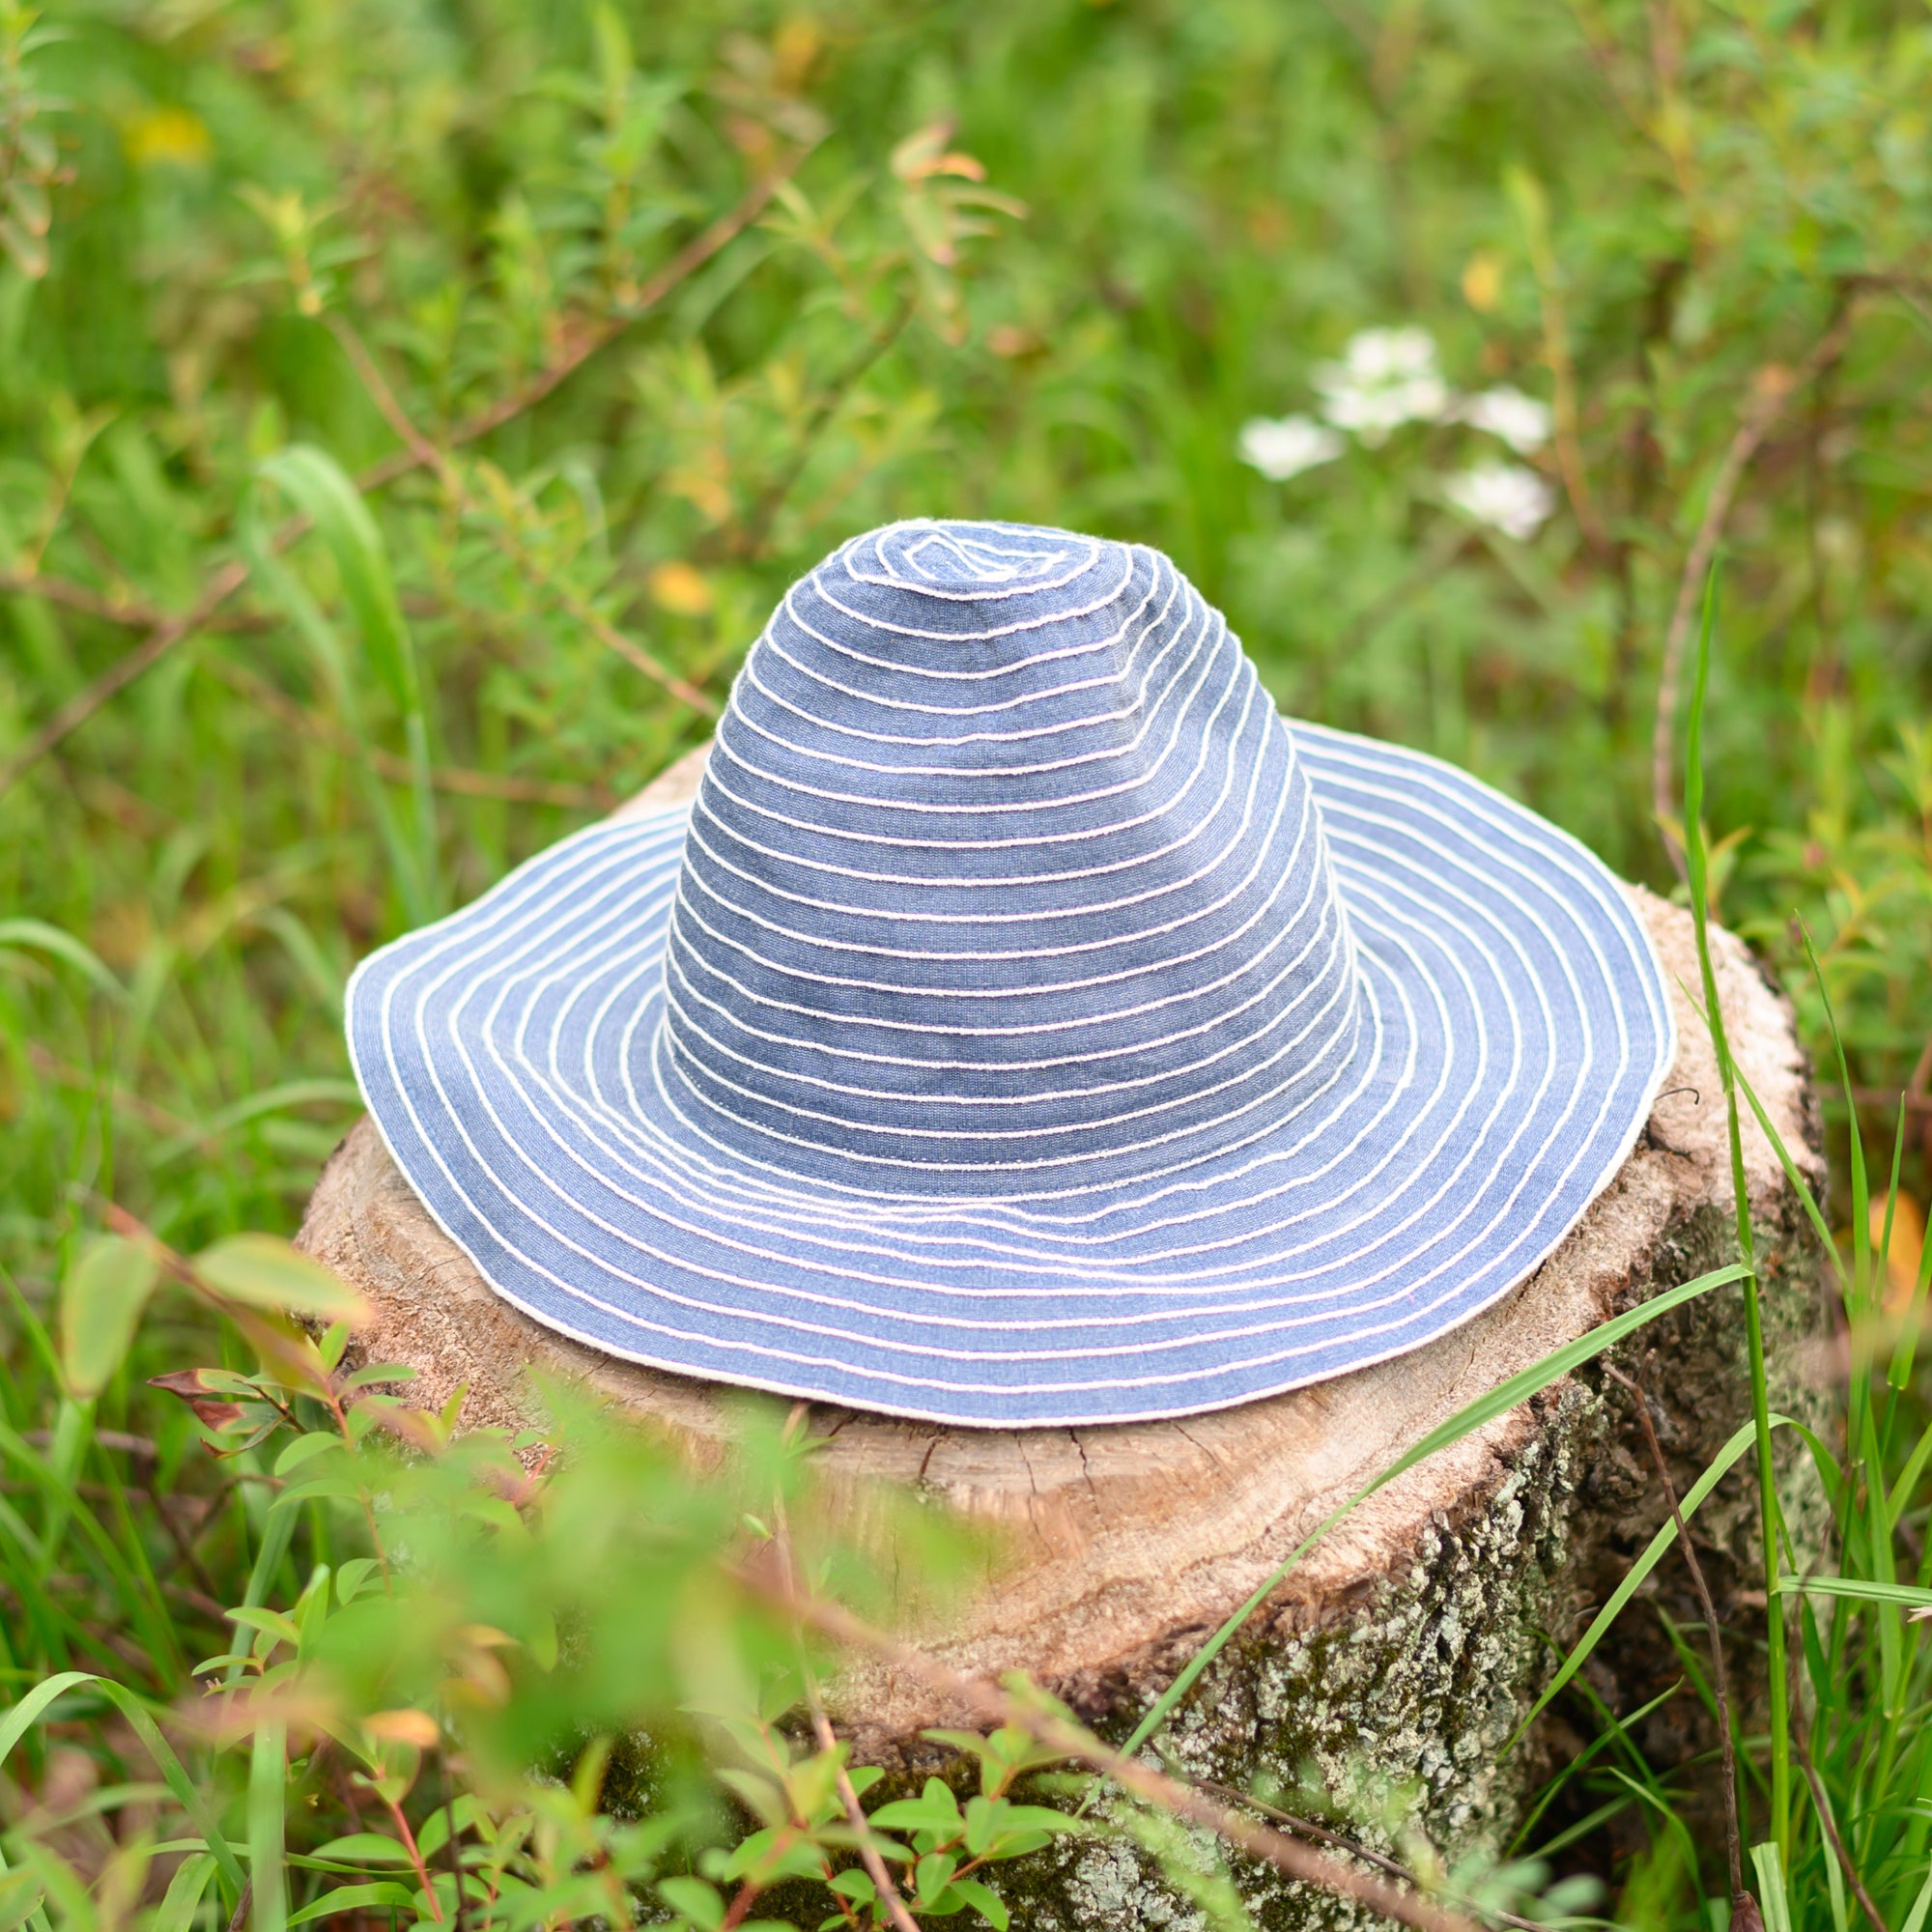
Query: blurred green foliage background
x,y
1648,217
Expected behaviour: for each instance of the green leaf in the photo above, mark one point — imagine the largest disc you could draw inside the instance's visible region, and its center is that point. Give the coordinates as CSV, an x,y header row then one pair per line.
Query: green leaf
x,y
333,1488
694,1900
378,1373
265,1271
920,1814
985,1901
270,1623
352,1575
102,1301
932,1874
305,1449
386,1894
758,1794
982,1820
363,1848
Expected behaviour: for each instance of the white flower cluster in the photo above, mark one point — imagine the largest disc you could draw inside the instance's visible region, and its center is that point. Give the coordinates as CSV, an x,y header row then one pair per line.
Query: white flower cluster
x,y
1388,377
1506,496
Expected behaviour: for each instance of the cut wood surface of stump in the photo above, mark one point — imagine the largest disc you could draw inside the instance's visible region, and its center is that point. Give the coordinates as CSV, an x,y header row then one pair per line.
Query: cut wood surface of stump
x,y
1405,1649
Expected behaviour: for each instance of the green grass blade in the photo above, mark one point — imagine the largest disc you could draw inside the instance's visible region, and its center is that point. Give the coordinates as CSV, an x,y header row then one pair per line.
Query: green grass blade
x,y
1695,860
182,1906
313,480
146,1613
35,1920
322,1090
1580,1655
1773,1900
1840,1904
1863,1302
317,485
267,1775
1920,1906
14,1726
1795,1176
1861,1589
24,1714
277,1532
37,935
187,1794
1499,1400
1550,1792
1915,1467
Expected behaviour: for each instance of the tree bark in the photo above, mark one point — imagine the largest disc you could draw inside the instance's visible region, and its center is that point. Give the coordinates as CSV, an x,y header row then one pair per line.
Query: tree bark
x,y
1404,1650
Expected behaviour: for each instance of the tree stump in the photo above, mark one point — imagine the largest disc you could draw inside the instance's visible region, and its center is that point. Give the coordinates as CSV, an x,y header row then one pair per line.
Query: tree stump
x,y
1405,1648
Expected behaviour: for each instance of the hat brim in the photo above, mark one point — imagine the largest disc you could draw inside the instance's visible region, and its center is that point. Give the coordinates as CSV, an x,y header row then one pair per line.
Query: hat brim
x,y
1515,1029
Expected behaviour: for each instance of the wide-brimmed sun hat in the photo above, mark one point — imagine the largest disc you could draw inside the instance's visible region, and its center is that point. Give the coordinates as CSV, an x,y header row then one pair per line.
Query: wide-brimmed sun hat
x,y
1025,1024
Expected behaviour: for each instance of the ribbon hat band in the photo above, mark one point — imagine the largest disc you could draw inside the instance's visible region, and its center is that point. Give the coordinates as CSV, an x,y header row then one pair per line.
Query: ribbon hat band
x,y
1025,1024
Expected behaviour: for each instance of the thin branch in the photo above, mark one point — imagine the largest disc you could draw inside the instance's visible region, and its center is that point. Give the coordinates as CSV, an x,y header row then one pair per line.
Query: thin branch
x,y
1060,1735
593,337
1771,388
83,598
1719,1681
450,1844
124,670
458,780
425,454
869,1854
750,540
1837,1843
245,1906
409,1839
611,638
854,1813
1567,437
1307,1828
230,577
742,1901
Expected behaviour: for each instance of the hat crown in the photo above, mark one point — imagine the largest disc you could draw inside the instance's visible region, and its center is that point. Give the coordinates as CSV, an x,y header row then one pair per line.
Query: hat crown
x,y
1003,876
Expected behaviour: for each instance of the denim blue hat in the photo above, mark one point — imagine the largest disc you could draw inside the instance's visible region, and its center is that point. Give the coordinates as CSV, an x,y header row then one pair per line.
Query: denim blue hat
x,y
1025,1024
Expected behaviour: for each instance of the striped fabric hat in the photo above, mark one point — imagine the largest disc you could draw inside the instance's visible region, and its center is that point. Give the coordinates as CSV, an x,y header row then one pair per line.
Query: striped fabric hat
x,y
1025,1025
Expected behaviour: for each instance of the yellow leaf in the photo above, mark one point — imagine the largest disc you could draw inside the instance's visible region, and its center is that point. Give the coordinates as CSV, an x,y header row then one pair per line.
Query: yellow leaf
x,y
1908,1246
403,1727
165,137
1483,281
681,589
